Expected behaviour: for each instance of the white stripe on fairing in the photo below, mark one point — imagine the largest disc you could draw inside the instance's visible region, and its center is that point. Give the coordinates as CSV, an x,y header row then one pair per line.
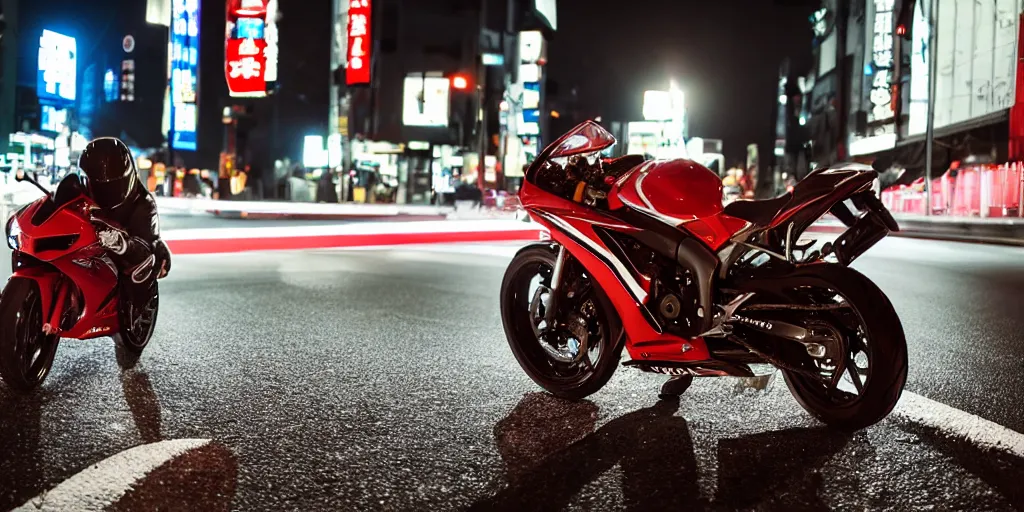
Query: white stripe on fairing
x,y
100,485
362,228
959,424
638,293
639,190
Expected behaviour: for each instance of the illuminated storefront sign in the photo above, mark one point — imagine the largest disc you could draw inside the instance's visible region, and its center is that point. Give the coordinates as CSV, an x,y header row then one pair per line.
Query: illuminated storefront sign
x,y
53,119
425,101
245,68
881,57
184,58
359,43
250,51
58,68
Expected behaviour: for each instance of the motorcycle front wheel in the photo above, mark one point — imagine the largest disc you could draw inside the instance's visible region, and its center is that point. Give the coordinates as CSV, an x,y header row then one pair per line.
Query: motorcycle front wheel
x,y
874,349
26,353
583,347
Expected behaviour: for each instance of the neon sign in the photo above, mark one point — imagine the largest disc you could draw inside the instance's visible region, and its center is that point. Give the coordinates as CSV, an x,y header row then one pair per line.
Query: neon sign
x,y
58,68
184,56
882,55
250,61
359,43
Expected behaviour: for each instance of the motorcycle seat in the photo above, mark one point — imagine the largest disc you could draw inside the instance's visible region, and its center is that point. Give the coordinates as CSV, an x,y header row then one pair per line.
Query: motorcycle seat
x,y
757,211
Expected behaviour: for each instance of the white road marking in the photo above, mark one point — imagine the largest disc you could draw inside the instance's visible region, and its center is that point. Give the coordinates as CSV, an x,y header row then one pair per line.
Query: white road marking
x,y
100,485
959,425
949,421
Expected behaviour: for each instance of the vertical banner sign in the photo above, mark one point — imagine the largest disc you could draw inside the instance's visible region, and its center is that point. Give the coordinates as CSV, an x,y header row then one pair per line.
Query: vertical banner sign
x,y
882,64
270,36
184,60
359,43
246,48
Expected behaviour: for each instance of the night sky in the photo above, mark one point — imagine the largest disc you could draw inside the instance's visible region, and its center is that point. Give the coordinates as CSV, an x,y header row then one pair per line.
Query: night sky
x,y
724,54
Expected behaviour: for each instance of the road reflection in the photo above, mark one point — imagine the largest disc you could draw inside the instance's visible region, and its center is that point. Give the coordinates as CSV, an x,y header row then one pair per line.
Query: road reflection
x,y
21,468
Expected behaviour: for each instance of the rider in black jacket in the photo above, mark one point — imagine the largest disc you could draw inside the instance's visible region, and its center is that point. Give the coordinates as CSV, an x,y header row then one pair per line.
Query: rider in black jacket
x,y
127,222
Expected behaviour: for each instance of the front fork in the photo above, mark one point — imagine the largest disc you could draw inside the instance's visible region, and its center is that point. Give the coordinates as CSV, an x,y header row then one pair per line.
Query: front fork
x,y
556,282
547,296
52,326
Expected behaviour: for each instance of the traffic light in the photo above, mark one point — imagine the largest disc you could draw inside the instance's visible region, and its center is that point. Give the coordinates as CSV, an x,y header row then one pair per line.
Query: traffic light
x,y
460,82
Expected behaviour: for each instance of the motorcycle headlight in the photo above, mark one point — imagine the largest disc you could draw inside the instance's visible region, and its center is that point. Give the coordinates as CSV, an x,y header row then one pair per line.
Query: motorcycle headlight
x,y
13,234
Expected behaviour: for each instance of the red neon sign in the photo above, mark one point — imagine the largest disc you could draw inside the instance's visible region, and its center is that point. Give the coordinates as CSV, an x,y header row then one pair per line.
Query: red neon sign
x,y
245,66
359,43
245,58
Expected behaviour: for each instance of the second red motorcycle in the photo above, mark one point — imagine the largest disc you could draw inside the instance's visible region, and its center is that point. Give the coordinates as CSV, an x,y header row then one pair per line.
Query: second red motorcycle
x,y
64,285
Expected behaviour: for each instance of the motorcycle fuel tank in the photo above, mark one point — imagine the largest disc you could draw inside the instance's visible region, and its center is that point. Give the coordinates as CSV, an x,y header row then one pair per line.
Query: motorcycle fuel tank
x,y
675,191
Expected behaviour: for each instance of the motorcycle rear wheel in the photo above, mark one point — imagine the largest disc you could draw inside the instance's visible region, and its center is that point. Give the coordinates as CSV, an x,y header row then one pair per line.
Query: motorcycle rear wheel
x,y
136,329
26,353
879,338
566,380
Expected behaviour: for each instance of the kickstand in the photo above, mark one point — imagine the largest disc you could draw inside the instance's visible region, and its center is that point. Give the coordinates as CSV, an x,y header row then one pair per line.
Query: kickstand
x,y
675,387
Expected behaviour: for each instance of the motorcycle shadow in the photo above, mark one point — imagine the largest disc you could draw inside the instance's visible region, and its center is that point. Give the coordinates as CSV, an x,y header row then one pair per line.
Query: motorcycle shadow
x,y
551,452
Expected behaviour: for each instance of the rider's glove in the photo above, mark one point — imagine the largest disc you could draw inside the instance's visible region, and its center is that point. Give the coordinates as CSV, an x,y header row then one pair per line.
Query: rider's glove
x,y
111,238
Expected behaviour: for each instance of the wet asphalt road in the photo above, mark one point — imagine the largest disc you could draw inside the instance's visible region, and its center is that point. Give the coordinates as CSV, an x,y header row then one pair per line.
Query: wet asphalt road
x,y
380,379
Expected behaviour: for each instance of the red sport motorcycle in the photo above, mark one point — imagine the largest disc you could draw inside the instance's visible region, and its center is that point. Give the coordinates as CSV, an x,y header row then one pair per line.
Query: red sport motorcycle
x,y
643,256
64,285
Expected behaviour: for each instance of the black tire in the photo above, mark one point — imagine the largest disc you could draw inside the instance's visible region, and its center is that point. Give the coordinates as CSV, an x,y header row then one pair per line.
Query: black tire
x,y
26,354
525,345
886,351
137,329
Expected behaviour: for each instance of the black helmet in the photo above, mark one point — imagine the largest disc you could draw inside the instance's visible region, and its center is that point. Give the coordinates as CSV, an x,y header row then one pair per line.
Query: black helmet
x,y
110,169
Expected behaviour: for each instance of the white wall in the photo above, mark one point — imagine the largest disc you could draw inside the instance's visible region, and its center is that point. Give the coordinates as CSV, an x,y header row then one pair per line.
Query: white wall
x,y
977,48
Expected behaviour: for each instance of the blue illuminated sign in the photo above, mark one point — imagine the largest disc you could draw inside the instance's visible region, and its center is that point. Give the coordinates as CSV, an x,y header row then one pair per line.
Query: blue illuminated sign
x,y
249,28
531,115
184,55
57,79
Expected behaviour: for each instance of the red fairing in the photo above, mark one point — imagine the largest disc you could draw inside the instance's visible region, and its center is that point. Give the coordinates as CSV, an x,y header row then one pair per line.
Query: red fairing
x,y
83,265
715,230
642,341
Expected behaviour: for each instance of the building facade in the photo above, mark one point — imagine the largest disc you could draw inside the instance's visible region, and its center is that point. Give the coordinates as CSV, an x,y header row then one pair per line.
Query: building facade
x,y
871,83
429,93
